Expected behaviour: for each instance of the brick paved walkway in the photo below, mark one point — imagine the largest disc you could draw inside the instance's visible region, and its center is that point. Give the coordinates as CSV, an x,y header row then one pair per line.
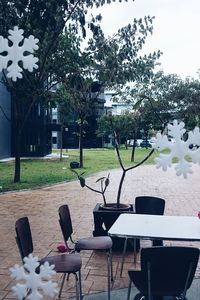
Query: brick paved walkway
x,y
41,206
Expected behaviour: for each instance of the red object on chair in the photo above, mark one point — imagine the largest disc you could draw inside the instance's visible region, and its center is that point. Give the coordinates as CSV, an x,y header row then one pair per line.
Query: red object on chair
x,y
62,248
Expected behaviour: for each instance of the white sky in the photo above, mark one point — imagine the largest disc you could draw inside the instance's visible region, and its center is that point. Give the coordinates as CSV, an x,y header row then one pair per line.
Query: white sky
x,y
176,30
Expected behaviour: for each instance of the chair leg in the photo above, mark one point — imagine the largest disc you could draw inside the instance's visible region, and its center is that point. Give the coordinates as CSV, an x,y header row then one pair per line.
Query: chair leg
x,y
108,278
77,287
129,290
109,273
62,283
123,256
111,266
80,285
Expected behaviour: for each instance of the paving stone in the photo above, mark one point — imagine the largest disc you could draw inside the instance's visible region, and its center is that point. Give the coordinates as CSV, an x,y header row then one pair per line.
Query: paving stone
x,y
41,207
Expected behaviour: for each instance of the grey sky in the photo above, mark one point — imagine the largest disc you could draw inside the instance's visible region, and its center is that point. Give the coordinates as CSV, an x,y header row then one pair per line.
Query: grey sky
x,y
176,30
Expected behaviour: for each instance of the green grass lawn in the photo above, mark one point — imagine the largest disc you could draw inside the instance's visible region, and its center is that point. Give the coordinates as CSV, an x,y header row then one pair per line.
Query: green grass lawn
x,y
35,173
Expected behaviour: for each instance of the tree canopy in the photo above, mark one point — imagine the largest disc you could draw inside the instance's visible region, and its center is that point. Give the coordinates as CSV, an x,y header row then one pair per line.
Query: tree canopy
x,y
57,24
163,98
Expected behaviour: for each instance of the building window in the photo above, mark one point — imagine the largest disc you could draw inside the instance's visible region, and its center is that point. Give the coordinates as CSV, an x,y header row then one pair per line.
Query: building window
x,y
54,140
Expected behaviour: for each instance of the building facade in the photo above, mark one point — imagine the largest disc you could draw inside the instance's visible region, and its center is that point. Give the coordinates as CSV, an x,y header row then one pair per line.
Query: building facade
x,y
5,123
36,134
67,136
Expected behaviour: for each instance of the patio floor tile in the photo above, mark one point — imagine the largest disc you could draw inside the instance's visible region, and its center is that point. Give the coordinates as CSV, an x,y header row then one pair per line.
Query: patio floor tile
x,y
41,207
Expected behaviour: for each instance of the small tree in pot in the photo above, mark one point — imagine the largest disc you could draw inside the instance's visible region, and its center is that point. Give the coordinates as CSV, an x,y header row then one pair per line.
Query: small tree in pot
x,y
104,181
106,214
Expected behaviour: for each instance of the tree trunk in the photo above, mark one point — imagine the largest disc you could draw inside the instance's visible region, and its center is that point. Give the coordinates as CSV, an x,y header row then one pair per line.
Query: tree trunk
x,y
133,148
17,155
102,141
119,139
81,144
61,143
146,138
126,144
120,187
133,153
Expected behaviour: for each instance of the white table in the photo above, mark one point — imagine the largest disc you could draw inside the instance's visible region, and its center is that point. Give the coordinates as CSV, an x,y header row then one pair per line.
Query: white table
x,y
156,227
179,228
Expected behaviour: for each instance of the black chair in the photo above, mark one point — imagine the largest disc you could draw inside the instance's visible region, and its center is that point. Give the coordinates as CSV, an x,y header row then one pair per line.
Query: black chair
x,y
146,205
149,205
166,273
65,263
89,243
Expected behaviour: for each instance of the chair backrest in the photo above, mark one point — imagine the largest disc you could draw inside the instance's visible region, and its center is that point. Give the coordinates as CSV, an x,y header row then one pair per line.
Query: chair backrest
x,y
149,205
65,222
168,271
24,237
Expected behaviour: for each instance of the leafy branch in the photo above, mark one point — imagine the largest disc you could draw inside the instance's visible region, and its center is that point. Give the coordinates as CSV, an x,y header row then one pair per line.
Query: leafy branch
x,y
104,182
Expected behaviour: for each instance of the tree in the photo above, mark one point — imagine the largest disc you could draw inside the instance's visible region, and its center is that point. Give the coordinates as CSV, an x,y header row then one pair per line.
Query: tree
x,y
104,181
116,61
110,62
46,21
81,98
104,129
186,98
126,127
169,97
63,113
153,99
123,125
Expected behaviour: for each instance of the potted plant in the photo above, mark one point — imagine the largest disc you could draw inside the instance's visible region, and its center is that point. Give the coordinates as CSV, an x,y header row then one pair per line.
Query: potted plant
x,y
105,214
105,181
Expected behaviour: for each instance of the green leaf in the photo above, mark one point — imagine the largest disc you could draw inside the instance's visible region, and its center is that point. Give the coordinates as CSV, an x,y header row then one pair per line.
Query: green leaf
x,y
107,181
82,181
101,178
74,172
81,174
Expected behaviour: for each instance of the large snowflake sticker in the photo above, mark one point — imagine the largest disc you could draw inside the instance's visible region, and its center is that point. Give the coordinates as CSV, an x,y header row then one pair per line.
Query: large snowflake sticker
x,y
32,281
179,148
20,50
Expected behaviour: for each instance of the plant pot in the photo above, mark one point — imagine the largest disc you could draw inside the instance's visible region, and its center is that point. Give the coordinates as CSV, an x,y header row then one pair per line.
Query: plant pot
x,y
113,207
104,218
74,165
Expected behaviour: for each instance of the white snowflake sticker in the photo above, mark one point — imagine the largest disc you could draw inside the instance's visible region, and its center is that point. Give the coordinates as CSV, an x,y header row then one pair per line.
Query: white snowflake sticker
x,y
34,282
17,52
179,148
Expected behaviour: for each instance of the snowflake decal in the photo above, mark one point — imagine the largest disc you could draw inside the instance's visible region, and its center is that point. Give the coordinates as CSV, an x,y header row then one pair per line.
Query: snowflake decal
x,y
34,282
17,52
179,148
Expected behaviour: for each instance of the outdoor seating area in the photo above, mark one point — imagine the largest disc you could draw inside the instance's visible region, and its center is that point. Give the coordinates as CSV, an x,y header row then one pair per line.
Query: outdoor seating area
x,y
68,82
41,207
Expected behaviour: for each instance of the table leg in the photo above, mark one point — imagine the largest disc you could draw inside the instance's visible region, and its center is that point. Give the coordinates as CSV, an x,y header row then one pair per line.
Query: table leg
x,y
123,256
135,251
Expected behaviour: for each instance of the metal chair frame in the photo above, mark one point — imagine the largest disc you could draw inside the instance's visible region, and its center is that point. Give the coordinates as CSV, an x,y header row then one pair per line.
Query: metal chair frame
x,y
149,264
30,243
67,234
